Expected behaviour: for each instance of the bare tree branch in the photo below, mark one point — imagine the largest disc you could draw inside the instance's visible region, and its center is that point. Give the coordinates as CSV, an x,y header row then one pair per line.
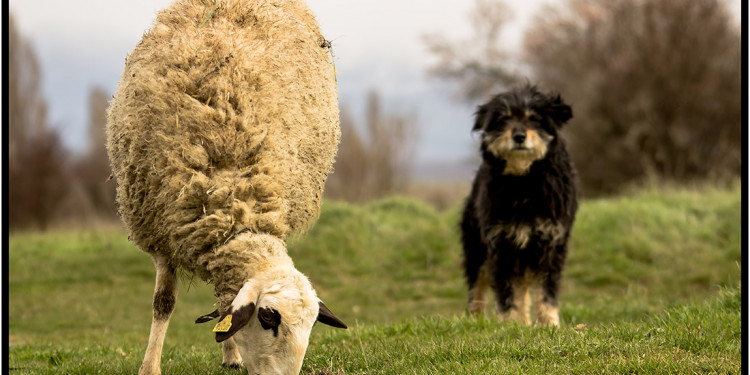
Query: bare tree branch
x,y
480,65
375,164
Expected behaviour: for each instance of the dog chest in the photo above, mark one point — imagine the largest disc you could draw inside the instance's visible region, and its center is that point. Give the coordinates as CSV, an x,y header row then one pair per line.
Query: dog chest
x,y
543,231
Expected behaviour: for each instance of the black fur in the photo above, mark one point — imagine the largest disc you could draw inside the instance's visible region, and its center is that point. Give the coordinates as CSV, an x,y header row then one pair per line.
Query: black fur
x,y
548,192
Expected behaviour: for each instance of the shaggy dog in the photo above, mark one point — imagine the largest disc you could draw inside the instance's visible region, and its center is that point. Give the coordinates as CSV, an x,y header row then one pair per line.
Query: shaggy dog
x,y
518,216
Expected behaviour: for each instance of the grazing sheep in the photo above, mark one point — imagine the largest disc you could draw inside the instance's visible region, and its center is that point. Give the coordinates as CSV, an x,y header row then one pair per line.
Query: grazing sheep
x,y
221,134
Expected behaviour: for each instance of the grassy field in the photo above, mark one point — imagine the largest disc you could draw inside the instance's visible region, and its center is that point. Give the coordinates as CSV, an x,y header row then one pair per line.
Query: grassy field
x,y
652,286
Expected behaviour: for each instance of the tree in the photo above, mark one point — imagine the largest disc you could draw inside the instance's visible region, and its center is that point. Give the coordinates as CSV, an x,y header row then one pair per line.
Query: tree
x,y
92,169
27,109
38,181
37,161
377,164
347,180
480,65
655,87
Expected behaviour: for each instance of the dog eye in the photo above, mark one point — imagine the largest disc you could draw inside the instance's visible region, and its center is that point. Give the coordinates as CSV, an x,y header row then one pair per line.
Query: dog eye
x,y
497,121
533,116
496,126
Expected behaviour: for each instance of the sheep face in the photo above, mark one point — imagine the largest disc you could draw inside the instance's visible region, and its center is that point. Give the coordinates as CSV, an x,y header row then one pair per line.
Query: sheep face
x,y
271,322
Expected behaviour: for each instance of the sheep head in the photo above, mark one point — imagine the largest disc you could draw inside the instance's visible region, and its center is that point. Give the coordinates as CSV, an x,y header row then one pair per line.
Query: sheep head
x,y
270,320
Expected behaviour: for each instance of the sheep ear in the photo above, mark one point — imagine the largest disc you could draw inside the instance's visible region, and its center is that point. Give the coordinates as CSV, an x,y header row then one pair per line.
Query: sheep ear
x,y
230,323
208,317
240,312
325,316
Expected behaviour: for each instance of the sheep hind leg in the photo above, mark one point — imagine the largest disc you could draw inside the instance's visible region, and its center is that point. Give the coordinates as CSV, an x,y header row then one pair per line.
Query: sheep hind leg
x,y
165,294
230,355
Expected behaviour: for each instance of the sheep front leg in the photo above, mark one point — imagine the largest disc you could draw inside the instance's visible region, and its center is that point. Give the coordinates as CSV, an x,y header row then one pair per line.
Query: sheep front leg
x,y
230,354
165,293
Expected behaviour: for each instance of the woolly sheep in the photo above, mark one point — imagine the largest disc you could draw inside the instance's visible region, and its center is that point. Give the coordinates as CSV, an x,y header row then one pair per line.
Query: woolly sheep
x,y
221,134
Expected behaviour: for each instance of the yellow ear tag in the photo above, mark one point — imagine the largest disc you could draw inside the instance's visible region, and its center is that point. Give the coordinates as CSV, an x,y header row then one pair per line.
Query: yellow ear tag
x,y
224,324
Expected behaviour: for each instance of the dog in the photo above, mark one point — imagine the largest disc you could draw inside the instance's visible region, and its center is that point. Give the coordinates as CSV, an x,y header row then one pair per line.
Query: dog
x,y
517,219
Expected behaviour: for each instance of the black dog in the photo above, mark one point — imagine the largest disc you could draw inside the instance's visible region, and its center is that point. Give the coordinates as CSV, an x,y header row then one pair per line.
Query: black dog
x,y
518,217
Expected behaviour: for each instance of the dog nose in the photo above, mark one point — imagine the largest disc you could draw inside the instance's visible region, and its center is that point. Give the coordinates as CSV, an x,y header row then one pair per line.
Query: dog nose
x,y
519,136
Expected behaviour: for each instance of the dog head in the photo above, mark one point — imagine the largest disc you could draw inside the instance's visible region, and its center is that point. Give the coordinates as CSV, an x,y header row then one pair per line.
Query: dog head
x,y
518,127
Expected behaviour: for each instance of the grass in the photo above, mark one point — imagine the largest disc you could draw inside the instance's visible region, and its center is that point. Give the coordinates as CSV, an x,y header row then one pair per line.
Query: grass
x,y
651,286
698,338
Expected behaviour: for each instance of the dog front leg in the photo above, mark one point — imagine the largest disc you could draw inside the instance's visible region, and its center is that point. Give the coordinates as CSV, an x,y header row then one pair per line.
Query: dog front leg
x,y
547,304
521,309
502,285
547,307
513,301
478,288
512,298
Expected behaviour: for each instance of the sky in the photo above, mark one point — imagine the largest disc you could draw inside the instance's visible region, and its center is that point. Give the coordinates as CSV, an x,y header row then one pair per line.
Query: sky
x,y
377,44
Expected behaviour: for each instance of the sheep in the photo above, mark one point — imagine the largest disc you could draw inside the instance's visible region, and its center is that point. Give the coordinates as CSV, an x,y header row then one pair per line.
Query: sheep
x,y
220,135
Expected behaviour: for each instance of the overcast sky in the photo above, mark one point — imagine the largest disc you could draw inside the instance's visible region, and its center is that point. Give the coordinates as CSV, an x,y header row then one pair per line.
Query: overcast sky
x,y
377,44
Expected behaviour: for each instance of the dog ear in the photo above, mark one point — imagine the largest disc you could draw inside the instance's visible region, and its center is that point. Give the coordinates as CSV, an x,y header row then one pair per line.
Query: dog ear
x,y
559,111
481,121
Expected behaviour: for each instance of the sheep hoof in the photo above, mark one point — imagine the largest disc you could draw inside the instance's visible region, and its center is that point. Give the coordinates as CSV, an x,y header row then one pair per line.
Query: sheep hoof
x,y
232,366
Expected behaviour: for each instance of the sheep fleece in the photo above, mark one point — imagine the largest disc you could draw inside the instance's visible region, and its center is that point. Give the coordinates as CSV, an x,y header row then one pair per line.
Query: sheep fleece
x,y
223,121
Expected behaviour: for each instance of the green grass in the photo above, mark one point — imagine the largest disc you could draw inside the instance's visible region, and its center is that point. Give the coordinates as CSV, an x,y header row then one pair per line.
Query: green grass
x,y
651,286
698,338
